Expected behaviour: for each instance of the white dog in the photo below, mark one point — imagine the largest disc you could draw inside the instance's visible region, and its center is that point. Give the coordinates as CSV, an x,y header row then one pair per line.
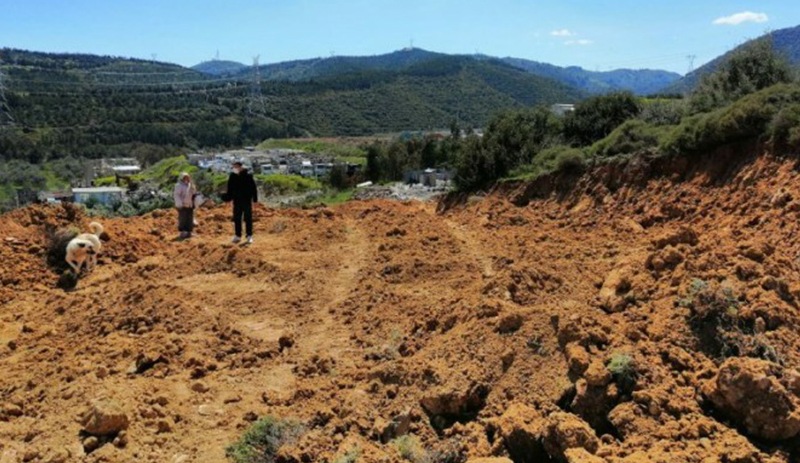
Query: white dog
x,y
81,253
78,252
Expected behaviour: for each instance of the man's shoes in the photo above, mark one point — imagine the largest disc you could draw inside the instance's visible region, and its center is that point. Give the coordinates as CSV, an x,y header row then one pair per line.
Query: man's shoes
x,y
249,240
236,239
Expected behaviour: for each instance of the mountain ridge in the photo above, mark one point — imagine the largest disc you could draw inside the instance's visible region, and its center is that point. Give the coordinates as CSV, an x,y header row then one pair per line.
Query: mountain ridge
x,y
639,81
785,41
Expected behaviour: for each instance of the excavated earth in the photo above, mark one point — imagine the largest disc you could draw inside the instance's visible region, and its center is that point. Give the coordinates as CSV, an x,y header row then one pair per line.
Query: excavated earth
x,y
644,312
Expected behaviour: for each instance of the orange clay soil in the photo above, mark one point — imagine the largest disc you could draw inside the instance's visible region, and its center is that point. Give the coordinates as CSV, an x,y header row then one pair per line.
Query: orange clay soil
x,y
638,316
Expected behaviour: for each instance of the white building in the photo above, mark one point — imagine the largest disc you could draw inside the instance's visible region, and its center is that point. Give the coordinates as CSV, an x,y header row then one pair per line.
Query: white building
x,y
104,194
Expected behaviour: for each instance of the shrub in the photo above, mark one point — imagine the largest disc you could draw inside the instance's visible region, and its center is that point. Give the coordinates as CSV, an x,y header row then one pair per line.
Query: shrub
x,y
745,119
631,137
410,449
475,168
623,369
663,111
351,456
283,184
784,128
748,70
261,441
513,138
714,318
596,117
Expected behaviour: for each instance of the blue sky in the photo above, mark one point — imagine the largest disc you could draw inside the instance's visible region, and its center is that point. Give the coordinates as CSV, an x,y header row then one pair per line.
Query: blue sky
x,y
594,34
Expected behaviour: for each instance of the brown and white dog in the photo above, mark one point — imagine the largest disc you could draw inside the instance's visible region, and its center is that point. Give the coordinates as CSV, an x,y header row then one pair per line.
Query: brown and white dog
x,y
78,253
84,248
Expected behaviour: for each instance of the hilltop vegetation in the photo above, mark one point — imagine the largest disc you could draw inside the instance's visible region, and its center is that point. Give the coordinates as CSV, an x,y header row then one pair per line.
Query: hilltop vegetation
x,y
753,96
88,106
786,43
638,81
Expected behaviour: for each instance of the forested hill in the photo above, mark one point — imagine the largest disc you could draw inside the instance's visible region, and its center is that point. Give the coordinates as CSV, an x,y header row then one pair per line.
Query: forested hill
x,y
85,105
785,41
639,81
219,67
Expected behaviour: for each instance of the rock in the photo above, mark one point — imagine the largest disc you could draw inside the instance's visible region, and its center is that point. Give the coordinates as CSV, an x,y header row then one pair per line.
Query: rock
x,y
780,199
231,398
564,431
592,403
683,235
444,405
759,395
580,455
597,374
200,386
520,429
90,444
58,456
121,440
509,323
164,425
616,287
285,341
390,430
577,358
489,460
11,409
507,359
104,418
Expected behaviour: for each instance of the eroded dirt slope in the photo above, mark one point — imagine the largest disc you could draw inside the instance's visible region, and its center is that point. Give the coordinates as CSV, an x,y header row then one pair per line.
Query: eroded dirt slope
x,y
649,323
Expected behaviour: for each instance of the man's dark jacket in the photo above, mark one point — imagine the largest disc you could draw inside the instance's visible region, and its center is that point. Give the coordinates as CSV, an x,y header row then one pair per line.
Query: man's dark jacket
x,y
242,188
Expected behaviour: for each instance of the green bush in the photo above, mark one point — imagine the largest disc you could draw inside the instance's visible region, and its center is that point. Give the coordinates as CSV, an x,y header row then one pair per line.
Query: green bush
x,y
596,117
351,456
410,449
631,137
784,128
747,118
165,172
748,70
623,370
105,181
475,167
555,159
283,184
663,111
513,138
262,440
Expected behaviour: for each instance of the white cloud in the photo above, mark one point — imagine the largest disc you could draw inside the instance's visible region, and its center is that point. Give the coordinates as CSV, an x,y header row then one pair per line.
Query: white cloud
x,y
562,33
743,17
578,42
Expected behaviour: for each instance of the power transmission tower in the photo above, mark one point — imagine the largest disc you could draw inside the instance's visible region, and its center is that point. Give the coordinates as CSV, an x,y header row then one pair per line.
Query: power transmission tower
x,y
691,59
256,101
6,119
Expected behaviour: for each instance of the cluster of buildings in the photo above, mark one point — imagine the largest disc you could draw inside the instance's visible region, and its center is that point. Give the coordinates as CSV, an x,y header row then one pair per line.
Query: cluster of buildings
x,y
272,161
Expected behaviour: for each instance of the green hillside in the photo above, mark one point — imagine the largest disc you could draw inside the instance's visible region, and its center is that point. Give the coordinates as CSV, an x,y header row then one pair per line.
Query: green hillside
x,y
785,41
638,81
89,106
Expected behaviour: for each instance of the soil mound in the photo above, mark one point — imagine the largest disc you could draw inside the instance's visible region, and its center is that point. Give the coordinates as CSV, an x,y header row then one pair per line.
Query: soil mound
x,y
651,319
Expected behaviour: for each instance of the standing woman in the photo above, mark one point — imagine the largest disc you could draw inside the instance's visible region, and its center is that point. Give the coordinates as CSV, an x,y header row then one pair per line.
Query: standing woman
x,y
184,202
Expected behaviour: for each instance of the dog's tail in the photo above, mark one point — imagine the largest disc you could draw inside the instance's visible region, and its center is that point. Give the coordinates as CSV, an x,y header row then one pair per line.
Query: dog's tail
x,y
97,229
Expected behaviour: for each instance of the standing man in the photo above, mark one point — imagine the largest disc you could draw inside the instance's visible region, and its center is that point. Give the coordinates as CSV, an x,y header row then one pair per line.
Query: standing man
x,y
242,191
184,202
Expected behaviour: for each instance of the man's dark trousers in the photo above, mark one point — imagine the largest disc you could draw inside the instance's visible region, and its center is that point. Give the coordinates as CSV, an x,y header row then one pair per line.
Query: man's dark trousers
x,y
243,208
